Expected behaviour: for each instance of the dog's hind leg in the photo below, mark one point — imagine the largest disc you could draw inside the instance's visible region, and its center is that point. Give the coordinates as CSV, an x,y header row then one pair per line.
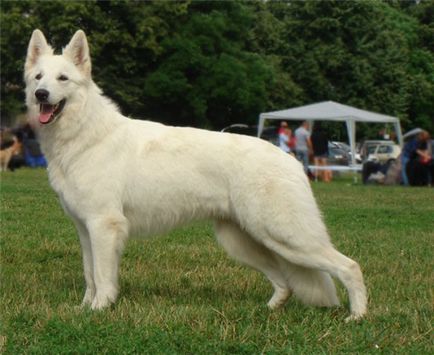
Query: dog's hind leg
x,y
328,259
240,246
107,238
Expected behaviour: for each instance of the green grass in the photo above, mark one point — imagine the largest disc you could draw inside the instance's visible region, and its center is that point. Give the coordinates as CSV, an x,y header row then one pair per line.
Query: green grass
x,y
181,294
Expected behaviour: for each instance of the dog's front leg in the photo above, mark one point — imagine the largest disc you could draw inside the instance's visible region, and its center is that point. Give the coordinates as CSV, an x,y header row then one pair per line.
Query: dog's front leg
x,y
107,237
88,270
86,250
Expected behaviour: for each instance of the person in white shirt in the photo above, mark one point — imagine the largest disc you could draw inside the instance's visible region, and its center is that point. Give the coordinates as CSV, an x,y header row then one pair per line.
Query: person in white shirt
x,y
303,145
285,134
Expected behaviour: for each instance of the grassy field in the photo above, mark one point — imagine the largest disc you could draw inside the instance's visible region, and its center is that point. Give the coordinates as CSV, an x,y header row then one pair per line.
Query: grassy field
x,y
180,294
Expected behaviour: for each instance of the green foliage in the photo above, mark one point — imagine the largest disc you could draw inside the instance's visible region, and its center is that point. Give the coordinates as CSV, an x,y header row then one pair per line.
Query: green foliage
x,y
351,52
211,64
205,76
181,294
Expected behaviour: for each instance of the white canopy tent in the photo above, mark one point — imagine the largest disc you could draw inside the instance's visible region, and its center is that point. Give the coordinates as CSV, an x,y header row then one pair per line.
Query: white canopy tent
x,y
332,111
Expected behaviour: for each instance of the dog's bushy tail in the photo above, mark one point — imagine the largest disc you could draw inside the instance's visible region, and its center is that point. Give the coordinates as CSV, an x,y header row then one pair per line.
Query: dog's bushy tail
x,y
312,287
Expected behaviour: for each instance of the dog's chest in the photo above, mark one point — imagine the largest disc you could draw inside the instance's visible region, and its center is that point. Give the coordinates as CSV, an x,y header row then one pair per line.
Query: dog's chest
x,y
66,189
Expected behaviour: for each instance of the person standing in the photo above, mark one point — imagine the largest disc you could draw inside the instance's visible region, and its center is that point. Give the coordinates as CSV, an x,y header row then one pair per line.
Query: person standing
x,y
285,134
303,145
406,154
420,166
320,147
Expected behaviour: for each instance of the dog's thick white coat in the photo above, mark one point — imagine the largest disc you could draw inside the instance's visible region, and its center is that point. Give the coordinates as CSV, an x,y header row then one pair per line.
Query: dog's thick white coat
x,y
116,176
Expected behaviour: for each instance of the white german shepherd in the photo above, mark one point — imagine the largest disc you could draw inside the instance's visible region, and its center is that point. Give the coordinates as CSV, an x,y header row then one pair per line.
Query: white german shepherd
x,y
117,176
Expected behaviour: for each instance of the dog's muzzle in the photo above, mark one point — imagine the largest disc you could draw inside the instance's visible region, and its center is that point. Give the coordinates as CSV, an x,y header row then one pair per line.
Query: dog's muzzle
x,y
48,112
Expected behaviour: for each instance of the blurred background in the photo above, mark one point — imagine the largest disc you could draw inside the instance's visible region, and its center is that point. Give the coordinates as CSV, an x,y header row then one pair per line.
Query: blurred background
x,y
210,64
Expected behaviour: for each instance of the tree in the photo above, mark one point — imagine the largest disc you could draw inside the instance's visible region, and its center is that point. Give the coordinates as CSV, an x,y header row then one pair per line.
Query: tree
x,y
177,62
359,53
214,63
206,76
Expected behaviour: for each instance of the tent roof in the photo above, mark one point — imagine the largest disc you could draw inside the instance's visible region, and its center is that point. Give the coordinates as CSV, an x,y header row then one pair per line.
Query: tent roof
x,y
413,132
328,110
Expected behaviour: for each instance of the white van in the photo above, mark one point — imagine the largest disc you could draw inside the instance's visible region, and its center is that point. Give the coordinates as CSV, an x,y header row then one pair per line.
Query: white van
x,y
380,151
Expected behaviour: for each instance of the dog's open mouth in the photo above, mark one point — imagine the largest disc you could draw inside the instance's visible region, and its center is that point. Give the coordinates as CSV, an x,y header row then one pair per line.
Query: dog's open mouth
x,y
48,113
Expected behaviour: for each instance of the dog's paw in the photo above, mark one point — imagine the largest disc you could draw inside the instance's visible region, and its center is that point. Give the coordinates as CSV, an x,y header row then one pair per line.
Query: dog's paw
x,y
88,297
99,304
354,318
104,299
279,298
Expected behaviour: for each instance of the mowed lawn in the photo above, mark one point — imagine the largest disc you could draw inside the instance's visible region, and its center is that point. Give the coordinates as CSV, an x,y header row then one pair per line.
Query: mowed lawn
x,y
180,294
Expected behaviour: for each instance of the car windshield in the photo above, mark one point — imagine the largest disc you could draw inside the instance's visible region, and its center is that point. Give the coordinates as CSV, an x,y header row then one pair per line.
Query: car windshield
x,y
385,149
371,149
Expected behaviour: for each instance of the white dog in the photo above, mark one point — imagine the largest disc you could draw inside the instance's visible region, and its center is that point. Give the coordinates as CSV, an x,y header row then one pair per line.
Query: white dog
x,y
116,176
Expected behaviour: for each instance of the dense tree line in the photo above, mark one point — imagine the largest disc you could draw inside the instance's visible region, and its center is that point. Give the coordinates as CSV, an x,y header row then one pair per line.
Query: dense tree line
x,y
213,63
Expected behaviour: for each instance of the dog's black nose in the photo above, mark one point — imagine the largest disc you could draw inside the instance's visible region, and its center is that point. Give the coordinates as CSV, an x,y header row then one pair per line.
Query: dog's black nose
x,y
42,95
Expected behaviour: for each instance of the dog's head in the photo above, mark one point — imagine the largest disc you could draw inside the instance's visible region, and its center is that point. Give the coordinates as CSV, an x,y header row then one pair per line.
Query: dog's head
x,y
52,81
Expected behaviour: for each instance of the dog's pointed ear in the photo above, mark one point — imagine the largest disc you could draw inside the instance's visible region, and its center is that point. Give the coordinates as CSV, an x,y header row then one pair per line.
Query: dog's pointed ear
x,y
37,46
77,51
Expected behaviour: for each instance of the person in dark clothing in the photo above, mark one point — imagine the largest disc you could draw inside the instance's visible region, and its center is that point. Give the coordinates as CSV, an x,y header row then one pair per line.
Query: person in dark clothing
x,y
407,152
320,146
420,166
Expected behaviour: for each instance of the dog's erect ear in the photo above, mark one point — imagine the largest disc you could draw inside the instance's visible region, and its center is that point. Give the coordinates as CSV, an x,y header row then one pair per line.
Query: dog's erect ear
x,y
77,51
37,46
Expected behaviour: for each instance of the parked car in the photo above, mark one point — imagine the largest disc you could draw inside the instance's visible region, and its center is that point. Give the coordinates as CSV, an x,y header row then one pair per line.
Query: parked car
x,y
347,148
338,155
380,151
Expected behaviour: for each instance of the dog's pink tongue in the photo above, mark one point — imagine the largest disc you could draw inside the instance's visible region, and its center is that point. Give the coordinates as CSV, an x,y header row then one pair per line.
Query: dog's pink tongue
x,y
45,114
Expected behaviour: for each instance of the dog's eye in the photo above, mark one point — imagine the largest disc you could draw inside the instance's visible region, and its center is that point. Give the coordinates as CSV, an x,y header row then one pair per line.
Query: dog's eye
x,y
38,77
62,78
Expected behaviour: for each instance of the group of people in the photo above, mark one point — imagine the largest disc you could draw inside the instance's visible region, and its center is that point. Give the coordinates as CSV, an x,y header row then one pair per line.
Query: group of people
x,y
302,143
417,164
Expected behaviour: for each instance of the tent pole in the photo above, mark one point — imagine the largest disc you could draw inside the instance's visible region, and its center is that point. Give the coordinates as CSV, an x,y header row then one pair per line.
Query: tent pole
x,y
352,138
399,134
311,123
261,125
351,128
